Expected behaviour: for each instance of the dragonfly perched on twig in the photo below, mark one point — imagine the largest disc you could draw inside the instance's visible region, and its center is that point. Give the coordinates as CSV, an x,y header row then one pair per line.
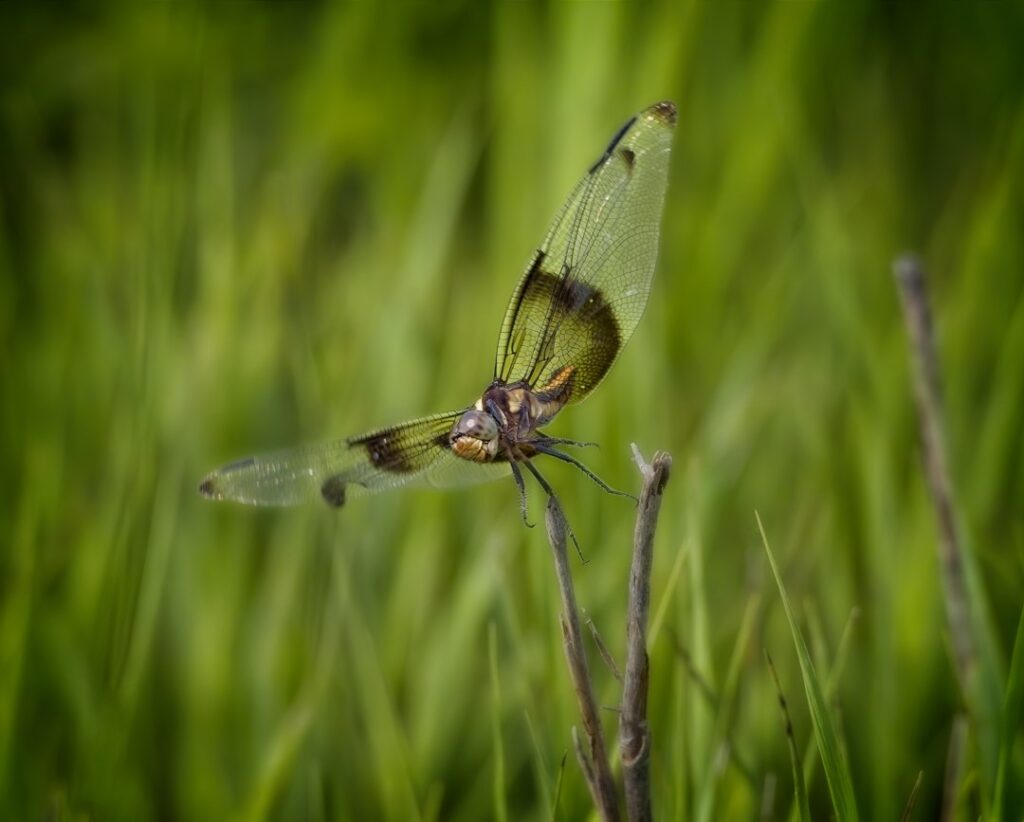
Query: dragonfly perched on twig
x,y
572,312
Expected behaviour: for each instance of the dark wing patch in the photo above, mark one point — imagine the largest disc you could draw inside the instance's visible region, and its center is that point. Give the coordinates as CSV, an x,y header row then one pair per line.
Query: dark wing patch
x,y
588,331
616,139
389,450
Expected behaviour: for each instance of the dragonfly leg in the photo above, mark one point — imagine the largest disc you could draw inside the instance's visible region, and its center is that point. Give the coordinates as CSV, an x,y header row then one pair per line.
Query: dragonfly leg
x,y
571,443
544,448
551,493
521,485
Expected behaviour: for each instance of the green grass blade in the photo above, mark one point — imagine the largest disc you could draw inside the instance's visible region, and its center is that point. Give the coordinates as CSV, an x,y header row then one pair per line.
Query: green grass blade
x,y
908,809
799,786
725,710
500,809
700,713
832,677
540,764
558,788
1013,706
837,773
666,597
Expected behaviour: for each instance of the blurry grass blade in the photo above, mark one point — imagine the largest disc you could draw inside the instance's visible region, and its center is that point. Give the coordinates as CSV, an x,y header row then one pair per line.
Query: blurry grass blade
x,y
842,652
701,715
558,787
721,738
387,748
799,788
703,688
836,770
278,759
832,679
953,779
15,613
500,810
159,546
1013,707
540,764
666,596
816,643
908,811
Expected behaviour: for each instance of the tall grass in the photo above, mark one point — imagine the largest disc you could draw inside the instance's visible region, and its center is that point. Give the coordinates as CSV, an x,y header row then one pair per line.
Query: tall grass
x,y
229,229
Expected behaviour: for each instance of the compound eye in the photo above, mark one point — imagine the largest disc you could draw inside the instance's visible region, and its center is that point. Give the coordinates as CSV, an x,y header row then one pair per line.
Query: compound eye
x,y
477,424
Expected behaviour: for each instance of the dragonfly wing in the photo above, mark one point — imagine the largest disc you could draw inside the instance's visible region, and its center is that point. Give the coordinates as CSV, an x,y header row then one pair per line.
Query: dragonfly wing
x,y
586,288
410,454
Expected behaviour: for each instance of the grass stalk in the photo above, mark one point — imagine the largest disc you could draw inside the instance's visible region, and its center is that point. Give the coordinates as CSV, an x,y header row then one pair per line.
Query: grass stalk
x,y
963,595
500,808
594,758
834,763
799,786
1013,708
908,810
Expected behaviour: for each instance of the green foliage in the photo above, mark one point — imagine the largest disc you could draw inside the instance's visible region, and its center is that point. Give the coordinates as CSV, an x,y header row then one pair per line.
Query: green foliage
x,y
801,805
823,721
1013,710
227,228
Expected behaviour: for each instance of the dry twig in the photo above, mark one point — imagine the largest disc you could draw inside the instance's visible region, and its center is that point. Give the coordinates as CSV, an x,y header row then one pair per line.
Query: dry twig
x,y
593,762
634,735
910,276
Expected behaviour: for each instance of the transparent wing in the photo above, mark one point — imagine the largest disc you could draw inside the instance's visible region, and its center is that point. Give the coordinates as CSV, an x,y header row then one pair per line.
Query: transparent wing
x,y
587,286
410,454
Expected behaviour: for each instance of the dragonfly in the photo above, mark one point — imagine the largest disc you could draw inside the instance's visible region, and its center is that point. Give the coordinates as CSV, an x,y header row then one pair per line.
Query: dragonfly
x,y
575,307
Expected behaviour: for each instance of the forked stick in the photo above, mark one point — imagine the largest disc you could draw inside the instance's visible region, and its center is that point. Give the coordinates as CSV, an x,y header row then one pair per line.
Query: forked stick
x,y
634,735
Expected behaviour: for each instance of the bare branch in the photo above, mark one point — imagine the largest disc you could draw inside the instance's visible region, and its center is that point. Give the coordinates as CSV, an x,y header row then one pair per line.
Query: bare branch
x,y
634,734
594,762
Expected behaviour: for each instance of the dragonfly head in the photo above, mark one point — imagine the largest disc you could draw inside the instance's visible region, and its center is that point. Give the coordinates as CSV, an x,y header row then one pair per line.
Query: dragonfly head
x,y
475,436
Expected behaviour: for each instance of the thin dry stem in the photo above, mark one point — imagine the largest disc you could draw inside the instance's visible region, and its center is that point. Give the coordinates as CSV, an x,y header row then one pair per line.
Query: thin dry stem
x,y
634,734
593,762
910,276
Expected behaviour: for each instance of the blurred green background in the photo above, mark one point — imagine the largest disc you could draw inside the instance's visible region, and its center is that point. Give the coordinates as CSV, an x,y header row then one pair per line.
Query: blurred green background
x,y
226,230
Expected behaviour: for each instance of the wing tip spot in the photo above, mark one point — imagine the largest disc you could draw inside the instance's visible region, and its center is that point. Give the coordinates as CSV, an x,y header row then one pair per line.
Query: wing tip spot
x,y
664,111
208,488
